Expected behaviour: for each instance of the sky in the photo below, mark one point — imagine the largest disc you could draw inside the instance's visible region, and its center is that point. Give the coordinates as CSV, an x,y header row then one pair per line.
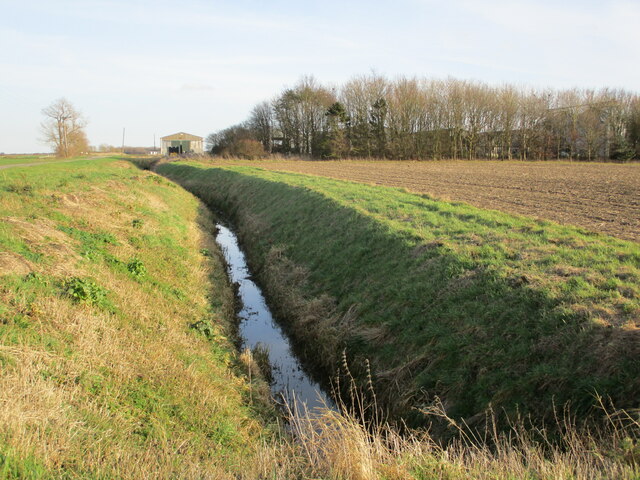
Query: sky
x,y
154,68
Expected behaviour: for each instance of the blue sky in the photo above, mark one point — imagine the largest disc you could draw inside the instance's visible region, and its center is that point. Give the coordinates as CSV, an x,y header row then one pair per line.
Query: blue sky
x,y
158,67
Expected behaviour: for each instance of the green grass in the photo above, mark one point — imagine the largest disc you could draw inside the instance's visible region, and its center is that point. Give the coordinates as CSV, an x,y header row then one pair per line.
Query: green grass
x,y
116,353
19,159
101,373
477,307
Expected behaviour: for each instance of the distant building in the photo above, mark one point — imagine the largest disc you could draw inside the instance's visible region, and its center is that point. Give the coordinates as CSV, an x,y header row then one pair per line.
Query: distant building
x,y
180,143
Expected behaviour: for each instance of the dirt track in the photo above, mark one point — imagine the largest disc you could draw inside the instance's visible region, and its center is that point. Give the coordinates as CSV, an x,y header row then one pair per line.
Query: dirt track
x,y
35,164
600,197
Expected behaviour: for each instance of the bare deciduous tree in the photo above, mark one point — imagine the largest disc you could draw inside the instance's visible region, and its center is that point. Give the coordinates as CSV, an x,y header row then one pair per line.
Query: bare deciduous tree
x,y
261,122
409,118
63,129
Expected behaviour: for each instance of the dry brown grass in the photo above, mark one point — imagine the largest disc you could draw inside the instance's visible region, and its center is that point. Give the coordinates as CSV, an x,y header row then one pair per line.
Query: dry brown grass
x,y
333,445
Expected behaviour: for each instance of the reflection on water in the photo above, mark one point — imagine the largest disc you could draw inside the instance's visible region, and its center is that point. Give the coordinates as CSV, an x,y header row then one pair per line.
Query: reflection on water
x,y
258,326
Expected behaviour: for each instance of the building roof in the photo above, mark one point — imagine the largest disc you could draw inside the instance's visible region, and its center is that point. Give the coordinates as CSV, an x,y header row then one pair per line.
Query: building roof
x,y
181,136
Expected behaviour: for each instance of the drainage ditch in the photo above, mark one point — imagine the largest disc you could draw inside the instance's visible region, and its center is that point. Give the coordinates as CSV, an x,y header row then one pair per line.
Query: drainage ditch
x,y
291,382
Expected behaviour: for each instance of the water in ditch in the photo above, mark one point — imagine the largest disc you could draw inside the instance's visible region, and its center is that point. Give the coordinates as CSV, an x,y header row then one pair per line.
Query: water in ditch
x,y
257,325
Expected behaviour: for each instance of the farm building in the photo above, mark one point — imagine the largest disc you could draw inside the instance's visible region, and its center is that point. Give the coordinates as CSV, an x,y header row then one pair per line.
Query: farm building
x,y
180,143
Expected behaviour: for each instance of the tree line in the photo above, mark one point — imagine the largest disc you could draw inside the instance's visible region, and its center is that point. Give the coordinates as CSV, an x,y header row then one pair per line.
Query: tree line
x,y
419,118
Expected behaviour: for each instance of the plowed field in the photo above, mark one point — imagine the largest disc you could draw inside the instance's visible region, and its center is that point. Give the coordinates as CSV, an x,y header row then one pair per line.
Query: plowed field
x,y
599,197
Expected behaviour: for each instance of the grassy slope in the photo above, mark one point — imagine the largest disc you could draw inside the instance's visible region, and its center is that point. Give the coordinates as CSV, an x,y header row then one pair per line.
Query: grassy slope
x,y
475,306
102,273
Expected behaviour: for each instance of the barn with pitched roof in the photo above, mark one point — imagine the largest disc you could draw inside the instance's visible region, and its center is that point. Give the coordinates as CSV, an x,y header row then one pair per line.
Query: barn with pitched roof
x,y
181,143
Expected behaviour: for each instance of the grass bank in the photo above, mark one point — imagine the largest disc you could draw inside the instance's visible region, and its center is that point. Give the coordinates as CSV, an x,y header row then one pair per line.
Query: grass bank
x,y
476,307
116,358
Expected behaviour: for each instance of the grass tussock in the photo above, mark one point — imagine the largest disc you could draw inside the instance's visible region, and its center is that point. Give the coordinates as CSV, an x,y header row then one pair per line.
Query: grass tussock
x,y
336,445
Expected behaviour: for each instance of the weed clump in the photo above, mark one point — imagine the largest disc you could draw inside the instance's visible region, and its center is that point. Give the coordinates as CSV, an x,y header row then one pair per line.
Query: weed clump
x,y
20,188
204,327
85,290
36,278
136,268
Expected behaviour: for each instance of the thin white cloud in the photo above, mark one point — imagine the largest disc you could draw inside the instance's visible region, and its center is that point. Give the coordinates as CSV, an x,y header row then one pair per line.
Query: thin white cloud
x,y
195,87
611,21
161,15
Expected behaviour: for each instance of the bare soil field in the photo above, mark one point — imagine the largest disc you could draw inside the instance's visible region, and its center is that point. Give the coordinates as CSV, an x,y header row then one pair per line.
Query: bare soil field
x,y
596,196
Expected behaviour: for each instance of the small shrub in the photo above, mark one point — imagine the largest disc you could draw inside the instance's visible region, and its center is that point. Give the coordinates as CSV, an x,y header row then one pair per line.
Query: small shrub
x,y
85,290
137,223
245,148
136,268
205,252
